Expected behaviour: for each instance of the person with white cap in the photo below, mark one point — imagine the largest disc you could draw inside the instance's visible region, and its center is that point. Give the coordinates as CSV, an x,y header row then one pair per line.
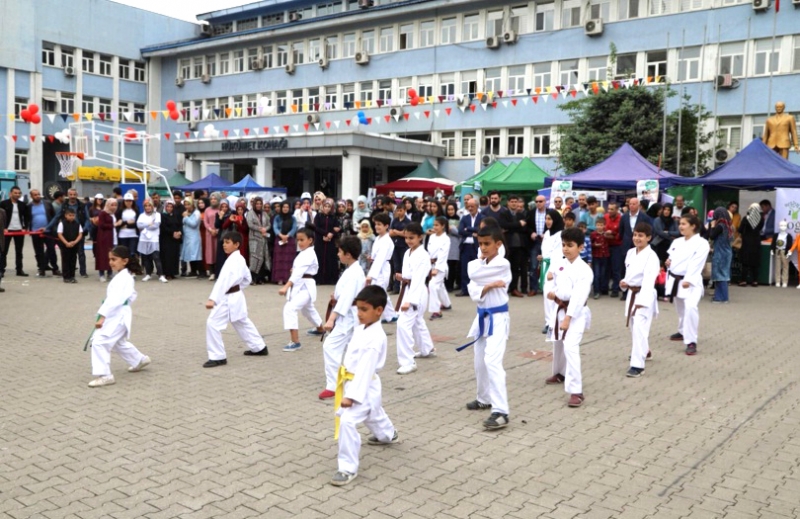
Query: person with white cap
x,y
127,215
306,213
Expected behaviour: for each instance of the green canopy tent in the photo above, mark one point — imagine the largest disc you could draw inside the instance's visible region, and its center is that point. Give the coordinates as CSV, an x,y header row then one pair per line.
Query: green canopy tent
x,y
424,170
468,186
525,177
175,181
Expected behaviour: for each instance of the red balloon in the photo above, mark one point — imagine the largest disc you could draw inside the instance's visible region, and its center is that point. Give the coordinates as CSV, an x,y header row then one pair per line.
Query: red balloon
x,y
171,106
412,93
414,101
130,133
36,118
174,115
33,109
26,115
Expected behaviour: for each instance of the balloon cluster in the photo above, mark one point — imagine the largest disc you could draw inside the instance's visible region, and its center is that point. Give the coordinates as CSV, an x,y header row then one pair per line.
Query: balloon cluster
x,y
63,136
362,118
174,114
31,114
412,95
209,132
130,134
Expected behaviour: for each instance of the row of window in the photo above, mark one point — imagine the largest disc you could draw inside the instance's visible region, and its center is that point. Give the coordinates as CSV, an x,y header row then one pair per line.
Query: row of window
x,y
65,103
54,55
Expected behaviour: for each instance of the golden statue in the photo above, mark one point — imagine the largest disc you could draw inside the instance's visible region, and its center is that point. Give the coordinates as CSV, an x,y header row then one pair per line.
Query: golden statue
x,y
780,132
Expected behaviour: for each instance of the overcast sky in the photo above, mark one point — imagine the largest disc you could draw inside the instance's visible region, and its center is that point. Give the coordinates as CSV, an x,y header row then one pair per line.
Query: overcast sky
x,y
183,10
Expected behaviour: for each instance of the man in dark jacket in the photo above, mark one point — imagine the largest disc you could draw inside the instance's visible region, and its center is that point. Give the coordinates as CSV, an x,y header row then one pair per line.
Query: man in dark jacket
x,y
40,213
16,221
82,215
468,229
518,243
2,243
627,223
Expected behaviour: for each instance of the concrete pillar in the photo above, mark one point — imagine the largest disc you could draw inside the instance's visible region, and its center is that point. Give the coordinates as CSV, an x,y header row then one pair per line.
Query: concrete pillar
x,y
193,170
263,176
351,176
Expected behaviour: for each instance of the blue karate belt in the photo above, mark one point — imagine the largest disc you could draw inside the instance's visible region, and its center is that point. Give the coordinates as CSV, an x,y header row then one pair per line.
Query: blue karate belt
x,y
483,313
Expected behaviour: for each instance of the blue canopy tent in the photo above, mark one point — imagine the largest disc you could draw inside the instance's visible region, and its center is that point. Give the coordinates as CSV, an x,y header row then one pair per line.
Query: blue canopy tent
x,y
621,171
212,182
756,167
247,185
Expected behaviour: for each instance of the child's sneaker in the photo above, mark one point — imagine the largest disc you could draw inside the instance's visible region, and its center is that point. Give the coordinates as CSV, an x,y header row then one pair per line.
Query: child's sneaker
x,y
314,331
102,279
142,364
635,372
555,379
477,405
405,370
102,381
292,346
373,440
575,400
691,349
432,354
676,337
436,315
340,479
496,421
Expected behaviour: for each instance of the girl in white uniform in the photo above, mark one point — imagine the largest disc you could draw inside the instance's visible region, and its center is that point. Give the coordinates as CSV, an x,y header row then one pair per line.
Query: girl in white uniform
x,y
301,291
548,259
114,320
380,270
438,250
687,257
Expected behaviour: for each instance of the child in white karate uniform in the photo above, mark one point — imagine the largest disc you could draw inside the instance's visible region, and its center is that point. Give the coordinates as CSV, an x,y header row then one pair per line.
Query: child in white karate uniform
x,y
301,290
642,267
380,271
343,315
114,320
411,327
488,287
228,305
358,389
549,257
572,282
438,250
687,257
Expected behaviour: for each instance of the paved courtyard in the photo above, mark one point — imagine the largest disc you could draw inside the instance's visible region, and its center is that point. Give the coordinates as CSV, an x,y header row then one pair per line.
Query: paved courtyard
x,y
715,435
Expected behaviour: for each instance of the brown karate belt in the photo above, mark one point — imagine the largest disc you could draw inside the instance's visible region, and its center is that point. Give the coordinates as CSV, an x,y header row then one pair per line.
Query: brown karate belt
x,y
233,289
562,305
403,284
631,307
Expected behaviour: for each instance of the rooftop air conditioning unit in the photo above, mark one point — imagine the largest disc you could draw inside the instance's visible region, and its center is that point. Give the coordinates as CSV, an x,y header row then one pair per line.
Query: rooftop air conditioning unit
x,y
593,27
510,37
724,81
295,17
289,68
487,159
69,71
256,63
323,62
206,29
760,5
312,118
723,155
396,111
206,79
463,101
364,4
362,58
493,42
179,81
192,126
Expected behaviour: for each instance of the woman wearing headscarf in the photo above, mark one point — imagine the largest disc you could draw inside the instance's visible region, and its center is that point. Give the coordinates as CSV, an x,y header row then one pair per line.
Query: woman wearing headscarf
x,y
191,249
721,235
171,235
326,229
106,238
454,257
750,254
665,229
367,238
284,227
222,216
345,220
361,212
259,224
549,260
210,231
238,222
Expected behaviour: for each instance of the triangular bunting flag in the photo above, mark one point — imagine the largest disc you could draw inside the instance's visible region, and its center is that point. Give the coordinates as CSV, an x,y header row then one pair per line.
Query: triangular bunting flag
x,y
473,108
247,131
206,113
187,134
387,117
51,117
225,132
514,102
266,130
88,116
167,135
296,127
336,123
256,131
106,137
525,101
286,128
316,126
228,112
505,104
14,137
33,138
102,116
347,121
328,125
165,114
306,126
51,138
154,115
128,116
63,116
448,111
436,113
238,112
196,134
236,132
277,129
427,114
535,99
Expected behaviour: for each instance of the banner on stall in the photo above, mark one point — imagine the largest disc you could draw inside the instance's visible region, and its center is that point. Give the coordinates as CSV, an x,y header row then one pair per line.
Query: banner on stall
x,y
787,207
560,188
647,190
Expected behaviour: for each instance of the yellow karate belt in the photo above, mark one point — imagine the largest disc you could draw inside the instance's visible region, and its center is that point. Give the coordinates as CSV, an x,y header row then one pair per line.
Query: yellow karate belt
x,y
342,376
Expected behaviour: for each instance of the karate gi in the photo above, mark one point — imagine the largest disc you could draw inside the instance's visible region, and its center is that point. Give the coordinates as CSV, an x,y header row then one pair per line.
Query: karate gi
x,y
380,272
303,293
365,357
231,308
490,347
411,327
116,329
641,270
438,250
350,283
687,259
571,282
551,250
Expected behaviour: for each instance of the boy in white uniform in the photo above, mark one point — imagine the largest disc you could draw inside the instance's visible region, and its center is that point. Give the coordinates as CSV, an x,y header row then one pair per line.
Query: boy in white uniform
x,y
488,287
301,290
227,304
438,250
380,271
343,316
358,389
572,282
687,257
411,327
642,267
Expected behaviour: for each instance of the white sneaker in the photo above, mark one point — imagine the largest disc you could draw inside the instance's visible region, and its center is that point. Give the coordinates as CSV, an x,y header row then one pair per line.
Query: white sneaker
x,y
102,381
163,279
405,370
142,364
102,279
419,355
146,278
784,285
212,277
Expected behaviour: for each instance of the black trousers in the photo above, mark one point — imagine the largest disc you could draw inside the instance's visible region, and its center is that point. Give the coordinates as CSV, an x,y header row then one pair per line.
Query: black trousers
x,y
19,242
469,252
68,260
149,259
44,248
453,272
518,257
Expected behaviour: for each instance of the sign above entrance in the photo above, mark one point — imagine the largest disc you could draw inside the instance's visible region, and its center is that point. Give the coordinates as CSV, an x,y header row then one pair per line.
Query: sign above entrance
x,y
264,144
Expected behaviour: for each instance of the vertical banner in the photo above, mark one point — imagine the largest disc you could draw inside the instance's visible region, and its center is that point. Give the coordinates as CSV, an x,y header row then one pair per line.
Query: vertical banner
x,y
647,190
692,196
787,207
562,188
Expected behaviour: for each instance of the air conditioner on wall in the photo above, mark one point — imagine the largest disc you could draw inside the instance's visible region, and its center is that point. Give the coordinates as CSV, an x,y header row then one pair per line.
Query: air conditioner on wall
x,y
179,82
362,58
760,5
312,118
206,29
192,126
723,155
487,159
484,99
69,71
363,4
206,79
510,37
463,101
295,17
290,68
396,111
593,27
256,63
725,81
493,42
323,62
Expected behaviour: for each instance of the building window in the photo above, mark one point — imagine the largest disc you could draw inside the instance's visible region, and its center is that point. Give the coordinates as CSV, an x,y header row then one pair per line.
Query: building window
x,y
238,61
224,63
627,9
568,71
406,36
282,97
449,143
20,104
87,105
48,54
767,56
448,32
731,59
67,57
246,25
105,65
516,141
329,8
545,17
139,71
491,142
542,75
447,85
49,104
662,7
519,19
368,42
272,19
404,84
598,68
298,52
124,69
197,67
656,63
211,65
314,50
222,28
348,95
87,62
541,141
67,104
138,112
330,96
470,30
468,144
104,106
729,134
238,105
349,45
469,82
796,57
493,77
223,105
283,55
186,68
571,14
494,23
332,47
252,58
297,100
20,160
626,66
425,87
385,89
387,39
366,91
689,64
692,5
427,30
267,55
600,9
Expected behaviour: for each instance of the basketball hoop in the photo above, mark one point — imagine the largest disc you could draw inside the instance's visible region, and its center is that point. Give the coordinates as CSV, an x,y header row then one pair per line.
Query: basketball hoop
x,y
68,161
